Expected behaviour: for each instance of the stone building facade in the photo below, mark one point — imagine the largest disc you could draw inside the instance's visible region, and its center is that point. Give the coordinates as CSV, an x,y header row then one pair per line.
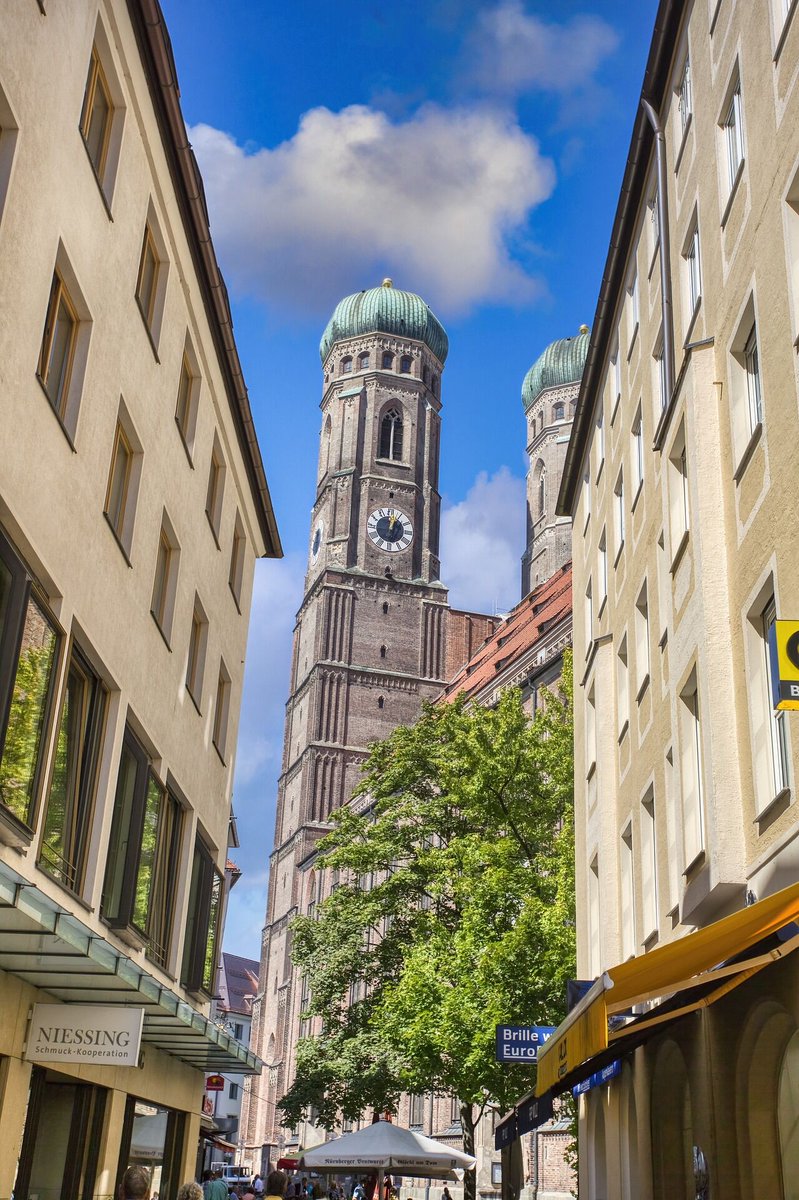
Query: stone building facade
x,y
133,504
374,638
680,479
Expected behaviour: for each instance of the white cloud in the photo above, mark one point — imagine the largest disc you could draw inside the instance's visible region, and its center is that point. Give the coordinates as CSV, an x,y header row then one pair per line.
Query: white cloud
x,y
512,52
434,201
482,539
245,915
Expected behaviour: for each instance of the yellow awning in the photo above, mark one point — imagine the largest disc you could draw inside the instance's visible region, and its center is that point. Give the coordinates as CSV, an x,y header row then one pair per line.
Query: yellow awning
x,y
689,961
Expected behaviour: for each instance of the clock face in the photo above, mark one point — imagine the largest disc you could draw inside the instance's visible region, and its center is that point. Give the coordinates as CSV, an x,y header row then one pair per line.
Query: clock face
x,y
317,540
390,529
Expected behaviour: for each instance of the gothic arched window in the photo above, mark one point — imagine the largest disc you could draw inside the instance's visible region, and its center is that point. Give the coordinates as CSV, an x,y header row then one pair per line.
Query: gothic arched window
x,y
391,436
557,412
363,361
387,360
346,365
434,385
406,364
542,491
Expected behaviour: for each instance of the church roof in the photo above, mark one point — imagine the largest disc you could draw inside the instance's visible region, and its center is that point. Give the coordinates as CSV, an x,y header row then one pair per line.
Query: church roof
x,y
385,309
562,362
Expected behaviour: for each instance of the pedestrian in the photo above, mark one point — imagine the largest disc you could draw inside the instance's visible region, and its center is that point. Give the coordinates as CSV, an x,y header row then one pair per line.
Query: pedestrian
x,y
217,1188
135,1184
258,1186
359,1191
206,1182
190,1191
276,1183
445,1194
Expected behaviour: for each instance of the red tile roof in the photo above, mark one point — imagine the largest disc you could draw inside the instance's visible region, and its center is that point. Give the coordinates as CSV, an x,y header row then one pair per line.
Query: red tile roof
x,y
548,604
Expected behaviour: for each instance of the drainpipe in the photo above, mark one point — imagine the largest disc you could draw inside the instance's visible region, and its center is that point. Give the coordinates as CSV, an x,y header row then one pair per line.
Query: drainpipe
x,y
665,251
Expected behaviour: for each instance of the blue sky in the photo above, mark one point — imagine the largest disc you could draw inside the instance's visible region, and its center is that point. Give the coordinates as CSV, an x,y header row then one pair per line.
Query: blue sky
x,y
471,151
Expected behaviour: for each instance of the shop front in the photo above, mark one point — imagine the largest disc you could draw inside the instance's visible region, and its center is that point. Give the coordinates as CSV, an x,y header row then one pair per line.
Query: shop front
x,y
101,1066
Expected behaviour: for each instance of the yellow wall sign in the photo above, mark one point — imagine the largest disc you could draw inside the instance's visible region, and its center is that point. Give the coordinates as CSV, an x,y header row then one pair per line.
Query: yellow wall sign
x,y
784,646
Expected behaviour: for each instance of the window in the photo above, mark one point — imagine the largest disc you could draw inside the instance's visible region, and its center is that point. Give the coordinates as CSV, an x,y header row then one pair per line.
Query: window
x,y
186,405
659,363
642,641
594,926
68,815
233,1091
406,364
649,909
586,500
769,731
693,270
753,392
222,710
732,128
123,481
691,772
416,1110
615,369
59,343
238,1031
792,245
237,553
346,365
216,489
147,282
28,653
387,360
622,689
637,452
777,723
684,96
142,867
363,362
618,512
679,510
391,436
602,572
599,439
198,970
97,115
434,385
557,412
632,289
627,894
496,1174
542,488
590,746
673,825
198,640
165,580
589,617
654,224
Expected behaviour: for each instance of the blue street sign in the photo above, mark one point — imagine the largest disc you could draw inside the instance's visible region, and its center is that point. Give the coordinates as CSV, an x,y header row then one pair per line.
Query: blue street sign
x,y
519,1043
598,1078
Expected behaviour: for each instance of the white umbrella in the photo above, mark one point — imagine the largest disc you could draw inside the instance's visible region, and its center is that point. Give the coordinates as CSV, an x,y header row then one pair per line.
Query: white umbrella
x,y
385,1146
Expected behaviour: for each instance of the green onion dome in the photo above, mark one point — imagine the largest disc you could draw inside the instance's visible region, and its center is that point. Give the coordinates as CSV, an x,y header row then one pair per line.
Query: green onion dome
x,y
561,363
385,309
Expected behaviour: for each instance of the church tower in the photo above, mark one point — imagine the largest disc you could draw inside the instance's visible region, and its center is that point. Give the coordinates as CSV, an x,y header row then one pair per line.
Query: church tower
x,y
549,395
374,635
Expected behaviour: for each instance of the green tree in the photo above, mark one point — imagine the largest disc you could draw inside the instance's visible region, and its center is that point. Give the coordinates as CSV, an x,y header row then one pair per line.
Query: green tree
x,y
455,913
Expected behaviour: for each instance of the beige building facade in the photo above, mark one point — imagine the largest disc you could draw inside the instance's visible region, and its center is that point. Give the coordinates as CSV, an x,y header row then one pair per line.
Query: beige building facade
x,y
680,482
133,504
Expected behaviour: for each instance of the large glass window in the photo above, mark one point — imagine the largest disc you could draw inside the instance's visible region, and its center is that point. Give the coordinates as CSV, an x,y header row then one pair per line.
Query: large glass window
x,y
63,1132
33,666
391,435
143,853
202,926
152,1139
67,822
58,346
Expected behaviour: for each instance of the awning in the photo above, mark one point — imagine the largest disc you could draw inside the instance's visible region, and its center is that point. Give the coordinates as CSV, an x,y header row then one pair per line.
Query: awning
x,y
287,1164
699,965
49,948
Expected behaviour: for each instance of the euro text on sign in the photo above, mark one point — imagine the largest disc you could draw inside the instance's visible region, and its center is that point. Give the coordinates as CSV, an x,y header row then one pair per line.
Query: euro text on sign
x,y
784,662
520,1043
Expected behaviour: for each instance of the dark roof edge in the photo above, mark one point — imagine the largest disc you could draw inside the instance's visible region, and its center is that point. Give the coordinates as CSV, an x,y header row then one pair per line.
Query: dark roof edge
x,y
156,53
656,76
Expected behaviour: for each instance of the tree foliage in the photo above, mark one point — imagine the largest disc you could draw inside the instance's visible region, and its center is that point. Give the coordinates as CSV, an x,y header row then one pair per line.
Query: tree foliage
x,y
454,912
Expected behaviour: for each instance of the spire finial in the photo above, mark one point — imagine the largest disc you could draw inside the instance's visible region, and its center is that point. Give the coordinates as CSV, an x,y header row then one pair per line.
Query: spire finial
x,y
387,282
584,329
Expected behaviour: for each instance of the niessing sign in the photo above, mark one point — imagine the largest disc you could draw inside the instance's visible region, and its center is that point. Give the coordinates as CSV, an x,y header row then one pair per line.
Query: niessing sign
x,y
104,1034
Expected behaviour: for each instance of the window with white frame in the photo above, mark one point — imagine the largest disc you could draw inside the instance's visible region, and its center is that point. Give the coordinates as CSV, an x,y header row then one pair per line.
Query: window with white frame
x,y
746,387
590,729
622,688
654,224
659,366
599,442
649,906
792,245
586,500
768,728
632,292
693,269
685,96
627,885
642,664
618,512
602,568
615,377
637,452
588,614
732,130
594,922
679,510
691,784
673,828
